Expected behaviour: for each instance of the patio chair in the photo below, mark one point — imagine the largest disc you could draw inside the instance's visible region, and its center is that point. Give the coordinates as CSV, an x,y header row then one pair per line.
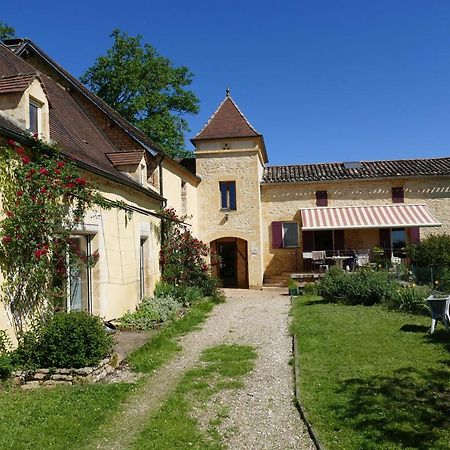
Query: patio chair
x,y
362,258
318,260
440,310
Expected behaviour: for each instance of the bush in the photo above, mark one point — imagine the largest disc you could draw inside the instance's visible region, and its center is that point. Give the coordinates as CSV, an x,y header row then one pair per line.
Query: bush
x,y
187,295
6,366
433,252
409,299
151,311
363,286
74,339
5,343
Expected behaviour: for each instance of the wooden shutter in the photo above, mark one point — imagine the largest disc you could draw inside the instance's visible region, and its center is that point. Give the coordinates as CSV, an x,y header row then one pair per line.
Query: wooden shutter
x,y
321,198
398,195
277,237
414,235
308,241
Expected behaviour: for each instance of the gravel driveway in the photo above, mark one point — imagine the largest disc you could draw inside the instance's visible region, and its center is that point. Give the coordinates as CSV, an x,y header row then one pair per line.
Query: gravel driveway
x,y
262,414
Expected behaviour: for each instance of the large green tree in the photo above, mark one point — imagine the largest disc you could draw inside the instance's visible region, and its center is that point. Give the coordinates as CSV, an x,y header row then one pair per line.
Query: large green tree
x,y
6,32
145,88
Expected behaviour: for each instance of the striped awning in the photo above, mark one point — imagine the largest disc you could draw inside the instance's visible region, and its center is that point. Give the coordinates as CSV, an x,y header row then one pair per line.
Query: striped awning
x,y
385,216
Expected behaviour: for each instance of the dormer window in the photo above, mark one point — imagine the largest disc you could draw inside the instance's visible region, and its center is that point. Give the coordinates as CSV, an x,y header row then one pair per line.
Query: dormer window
x,y
34,116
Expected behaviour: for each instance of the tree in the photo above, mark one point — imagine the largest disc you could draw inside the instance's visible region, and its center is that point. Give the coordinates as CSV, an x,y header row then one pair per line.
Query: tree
x,y
146,89
6,32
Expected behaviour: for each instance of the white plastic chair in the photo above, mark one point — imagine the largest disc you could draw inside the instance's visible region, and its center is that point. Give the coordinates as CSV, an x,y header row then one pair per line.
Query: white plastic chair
x,y
440,310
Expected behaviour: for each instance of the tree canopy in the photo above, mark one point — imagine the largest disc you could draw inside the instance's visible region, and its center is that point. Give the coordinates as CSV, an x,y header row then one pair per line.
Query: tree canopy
x,y
146,89
6,32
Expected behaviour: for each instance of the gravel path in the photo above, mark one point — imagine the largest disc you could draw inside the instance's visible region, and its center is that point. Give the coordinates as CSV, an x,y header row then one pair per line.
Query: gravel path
x,y
262,414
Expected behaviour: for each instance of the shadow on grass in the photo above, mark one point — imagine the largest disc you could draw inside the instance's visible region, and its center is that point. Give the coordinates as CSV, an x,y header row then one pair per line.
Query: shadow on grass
x,y
411,328
410,409
441,337
316,302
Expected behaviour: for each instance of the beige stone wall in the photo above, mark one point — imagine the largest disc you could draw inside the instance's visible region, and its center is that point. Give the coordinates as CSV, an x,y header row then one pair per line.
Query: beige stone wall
x,y
241,164
116,235
16,105
282,202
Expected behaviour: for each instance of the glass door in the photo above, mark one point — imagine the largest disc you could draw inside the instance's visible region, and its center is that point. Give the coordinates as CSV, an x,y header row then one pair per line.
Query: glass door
x,y
80,278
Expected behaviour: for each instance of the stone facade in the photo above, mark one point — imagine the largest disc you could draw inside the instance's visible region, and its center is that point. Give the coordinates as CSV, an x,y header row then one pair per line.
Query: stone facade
x,y
240,162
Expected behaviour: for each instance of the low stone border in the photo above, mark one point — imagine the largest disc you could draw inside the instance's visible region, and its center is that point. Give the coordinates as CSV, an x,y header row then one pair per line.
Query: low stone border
x,y
31,379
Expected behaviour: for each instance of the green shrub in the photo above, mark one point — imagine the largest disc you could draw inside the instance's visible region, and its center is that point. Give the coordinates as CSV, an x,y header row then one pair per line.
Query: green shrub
x,y
151,311
165,289
334,284
74,339
5,343
364,286
6,366
433,252
310,289
442,282
409,299
187,295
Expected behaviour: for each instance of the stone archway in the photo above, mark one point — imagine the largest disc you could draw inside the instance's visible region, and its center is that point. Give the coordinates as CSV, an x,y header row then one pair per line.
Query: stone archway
x,y
230,261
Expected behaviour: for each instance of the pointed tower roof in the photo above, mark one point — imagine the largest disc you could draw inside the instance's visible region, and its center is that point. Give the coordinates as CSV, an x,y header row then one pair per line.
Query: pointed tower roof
x,y
228,122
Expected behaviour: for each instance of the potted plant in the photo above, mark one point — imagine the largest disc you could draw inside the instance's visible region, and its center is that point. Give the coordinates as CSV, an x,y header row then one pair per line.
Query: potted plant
x,y
292,287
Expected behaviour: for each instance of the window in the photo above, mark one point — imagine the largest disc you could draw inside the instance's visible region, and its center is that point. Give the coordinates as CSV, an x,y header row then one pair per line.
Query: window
x,y
79,279
35,110
290,234
321,198
398,239
227,194
183,197
398,196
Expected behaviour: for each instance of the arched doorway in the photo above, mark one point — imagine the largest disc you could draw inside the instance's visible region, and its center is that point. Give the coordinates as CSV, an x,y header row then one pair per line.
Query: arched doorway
x,y
230,261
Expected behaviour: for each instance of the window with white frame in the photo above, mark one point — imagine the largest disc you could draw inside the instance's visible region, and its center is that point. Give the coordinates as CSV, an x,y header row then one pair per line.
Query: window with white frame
x,y
290,234
34,116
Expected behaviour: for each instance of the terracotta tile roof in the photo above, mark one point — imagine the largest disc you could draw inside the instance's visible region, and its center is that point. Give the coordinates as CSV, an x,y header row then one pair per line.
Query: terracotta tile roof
x,y
367,170
227,122
77,136
125,158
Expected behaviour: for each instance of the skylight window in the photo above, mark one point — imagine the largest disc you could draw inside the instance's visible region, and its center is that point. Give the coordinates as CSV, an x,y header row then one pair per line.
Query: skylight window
x,y
353,165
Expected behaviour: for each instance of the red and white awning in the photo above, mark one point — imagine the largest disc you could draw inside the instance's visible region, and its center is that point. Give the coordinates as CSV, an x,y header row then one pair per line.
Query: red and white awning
x,y
385,216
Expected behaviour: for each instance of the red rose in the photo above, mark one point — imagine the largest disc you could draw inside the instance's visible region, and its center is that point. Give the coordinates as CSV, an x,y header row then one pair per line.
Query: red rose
x,y
58,172
6,239
43,190
19,193
9,213
60,164
80,181
43,171
20,151
11,142
70,185
26,160
35,135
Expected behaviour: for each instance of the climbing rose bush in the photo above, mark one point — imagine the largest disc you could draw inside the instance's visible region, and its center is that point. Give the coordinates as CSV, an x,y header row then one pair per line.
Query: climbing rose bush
x,y
182,256
44,198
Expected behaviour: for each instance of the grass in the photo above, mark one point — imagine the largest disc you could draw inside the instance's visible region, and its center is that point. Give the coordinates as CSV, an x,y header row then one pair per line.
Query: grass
x,y
58,418
162,346
372,378
174,425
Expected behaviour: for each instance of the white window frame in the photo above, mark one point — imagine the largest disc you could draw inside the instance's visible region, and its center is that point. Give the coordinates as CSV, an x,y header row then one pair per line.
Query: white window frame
x,y
283,234
38,105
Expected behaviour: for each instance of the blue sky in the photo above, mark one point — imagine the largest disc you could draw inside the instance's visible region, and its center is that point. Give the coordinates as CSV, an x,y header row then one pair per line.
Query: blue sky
x,y
322,80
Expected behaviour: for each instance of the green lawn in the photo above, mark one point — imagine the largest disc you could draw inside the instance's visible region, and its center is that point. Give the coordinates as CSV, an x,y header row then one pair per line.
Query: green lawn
x,y
164,344
372,378
66,417
57,418
173,427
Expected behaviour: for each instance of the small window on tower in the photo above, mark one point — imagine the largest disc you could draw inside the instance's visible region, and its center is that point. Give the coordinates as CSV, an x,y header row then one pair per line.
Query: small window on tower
x,y
398,195
227,194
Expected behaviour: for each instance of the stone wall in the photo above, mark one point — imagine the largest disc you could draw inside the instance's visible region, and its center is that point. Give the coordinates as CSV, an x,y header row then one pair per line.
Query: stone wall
x,y
28,379
283,201
240,164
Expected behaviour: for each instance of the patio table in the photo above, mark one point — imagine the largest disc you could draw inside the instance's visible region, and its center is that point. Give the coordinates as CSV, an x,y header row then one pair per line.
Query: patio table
x,y
339,260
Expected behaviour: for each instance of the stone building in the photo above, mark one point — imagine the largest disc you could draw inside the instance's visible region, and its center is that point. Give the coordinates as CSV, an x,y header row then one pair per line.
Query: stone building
x,y
266,222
